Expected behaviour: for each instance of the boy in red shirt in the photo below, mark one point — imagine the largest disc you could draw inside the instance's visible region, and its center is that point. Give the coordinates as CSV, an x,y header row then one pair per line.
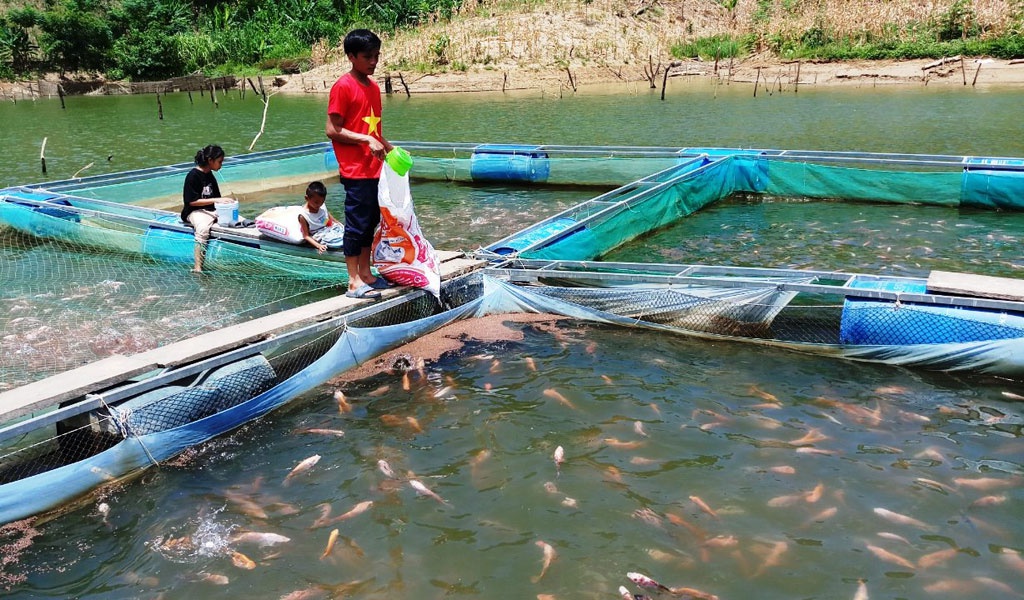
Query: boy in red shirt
x,y
354,128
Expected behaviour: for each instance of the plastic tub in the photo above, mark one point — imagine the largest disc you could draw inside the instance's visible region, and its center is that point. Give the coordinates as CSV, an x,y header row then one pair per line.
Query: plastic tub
x,y
227,211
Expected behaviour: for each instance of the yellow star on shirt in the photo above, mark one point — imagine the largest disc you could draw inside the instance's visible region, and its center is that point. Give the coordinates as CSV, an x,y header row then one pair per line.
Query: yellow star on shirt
x,y
371,122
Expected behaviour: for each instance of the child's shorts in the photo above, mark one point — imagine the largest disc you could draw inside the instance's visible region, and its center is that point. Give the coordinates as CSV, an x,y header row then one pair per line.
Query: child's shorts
x,y
362,214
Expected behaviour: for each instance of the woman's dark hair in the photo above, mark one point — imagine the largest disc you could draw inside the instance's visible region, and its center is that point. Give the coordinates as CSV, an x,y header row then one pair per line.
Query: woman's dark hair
x,y
211,152
316,189
361,40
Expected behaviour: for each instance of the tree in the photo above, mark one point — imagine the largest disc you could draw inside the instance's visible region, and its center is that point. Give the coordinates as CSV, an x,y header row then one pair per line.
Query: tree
x,y
146,38
16,47
74,35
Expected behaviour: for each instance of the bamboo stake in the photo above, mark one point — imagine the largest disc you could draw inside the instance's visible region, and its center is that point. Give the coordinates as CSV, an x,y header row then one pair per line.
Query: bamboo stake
x,y
402,80
664,81
796,84
159,106
75,176
263,124
42,158
213,94
963,69
60,92
975,80
756,79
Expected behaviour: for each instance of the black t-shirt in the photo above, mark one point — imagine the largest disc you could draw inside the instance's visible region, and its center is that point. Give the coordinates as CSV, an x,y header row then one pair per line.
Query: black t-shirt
x,y
198,185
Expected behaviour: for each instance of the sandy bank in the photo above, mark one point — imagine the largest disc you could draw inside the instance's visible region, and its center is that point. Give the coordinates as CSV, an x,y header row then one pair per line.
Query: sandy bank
x,y
765,70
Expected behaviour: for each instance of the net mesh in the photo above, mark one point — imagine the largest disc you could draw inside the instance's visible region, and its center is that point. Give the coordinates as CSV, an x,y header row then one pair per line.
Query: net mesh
x,y
66,302
763,313
80,288
202,395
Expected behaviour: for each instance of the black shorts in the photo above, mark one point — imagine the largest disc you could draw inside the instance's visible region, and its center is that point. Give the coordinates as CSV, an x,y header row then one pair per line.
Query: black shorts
x,y
362,214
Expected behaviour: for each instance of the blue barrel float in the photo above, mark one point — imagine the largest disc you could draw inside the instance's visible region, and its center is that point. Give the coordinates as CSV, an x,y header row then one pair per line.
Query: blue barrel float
x,y
884,322
509,162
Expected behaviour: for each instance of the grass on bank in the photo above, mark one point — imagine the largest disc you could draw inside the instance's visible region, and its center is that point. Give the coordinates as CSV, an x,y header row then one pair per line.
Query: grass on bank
x,y
154,39
861,30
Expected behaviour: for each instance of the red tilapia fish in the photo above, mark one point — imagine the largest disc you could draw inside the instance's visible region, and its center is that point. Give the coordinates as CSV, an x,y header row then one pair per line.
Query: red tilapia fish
x,y
425,491
302,467
259,538
549,557
646,582
386,469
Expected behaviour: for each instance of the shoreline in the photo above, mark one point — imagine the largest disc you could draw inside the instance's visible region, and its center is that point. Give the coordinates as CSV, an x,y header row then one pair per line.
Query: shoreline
x,y
768,71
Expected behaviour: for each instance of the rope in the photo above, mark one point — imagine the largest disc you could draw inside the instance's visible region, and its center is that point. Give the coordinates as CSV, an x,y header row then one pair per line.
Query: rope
x,y
120,420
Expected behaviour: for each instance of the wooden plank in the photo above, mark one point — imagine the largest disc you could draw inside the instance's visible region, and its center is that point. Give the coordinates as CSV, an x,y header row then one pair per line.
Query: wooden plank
x,y
241,334
981,286
72,384
460,266
117,369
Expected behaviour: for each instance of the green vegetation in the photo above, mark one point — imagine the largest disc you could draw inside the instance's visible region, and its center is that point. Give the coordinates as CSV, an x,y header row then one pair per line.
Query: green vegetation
x,y
155,39
716,46
956,30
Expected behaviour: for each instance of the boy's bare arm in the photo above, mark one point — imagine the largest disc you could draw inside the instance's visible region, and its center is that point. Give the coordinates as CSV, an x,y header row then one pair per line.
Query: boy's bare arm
x,y
336,132
309,237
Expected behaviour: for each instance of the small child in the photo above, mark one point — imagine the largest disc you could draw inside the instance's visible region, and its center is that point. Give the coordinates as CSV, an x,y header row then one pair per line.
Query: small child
x,y
318,227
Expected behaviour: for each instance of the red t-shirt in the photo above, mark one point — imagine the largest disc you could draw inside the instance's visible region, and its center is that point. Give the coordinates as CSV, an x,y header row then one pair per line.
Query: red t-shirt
x,y
360,109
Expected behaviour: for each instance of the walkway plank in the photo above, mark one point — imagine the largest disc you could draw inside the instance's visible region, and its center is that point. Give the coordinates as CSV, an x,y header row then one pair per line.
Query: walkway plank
x,y
981,286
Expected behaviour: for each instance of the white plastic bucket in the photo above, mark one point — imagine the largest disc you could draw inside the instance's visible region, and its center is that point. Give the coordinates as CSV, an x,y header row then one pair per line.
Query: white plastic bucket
x,y
227,211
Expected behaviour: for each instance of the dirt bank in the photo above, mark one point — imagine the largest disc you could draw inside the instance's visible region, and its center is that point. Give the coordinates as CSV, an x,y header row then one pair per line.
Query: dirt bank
x,y
560,46
768,71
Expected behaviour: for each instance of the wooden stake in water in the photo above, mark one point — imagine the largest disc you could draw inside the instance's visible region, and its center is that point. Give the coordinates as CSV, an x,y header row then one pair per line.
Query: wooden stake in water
x,y
42,159
263,124
60,93
159,107
79,172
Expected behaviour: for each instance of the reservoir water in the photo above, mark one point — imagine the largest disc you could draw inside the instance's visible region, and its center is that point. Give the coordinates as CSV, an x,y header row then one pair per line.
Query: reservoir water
x,y
729,468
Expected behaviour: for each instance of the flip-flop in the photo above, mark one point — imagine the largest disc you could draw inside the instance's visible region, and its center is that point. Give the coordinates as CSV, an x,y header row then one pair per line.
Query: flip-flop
x,y
380,284
363,292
